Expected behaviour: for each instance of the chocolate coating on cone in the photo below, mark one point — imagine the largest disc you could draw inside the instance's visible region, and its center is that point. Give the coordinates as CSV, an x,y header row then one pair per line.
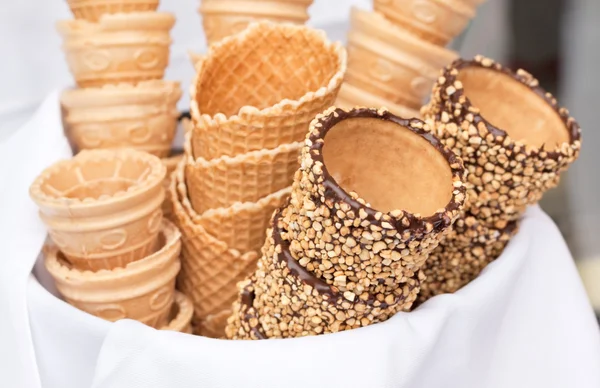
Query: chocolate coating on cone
x,y
505,175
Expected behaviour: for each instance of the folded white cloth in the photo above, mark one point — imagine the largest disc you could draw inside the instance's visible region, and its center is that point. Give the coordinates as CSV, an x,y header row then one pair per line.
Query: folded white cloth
x,y
525,322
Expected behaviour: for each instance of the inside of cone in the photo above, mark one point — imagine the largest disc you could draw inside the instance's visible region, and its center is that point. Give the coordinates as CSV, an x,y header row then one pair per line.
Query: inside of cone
x,y
95,178
387,165
513,107
269,65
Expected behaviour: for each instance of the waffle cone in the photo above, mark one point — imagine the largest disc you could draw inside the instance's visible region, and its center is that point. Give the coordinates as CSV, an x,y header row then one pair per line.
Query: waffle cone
x,y
210,269
143,290
388,62
142,116
222,18
261,88
103,207
351,96
181,314
92,10
118,48
435,21
223,181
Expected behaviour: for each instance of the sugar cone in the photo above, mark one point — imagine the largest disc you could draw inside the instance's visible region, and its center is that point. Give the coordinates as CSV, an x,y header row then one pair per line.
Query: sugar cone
x,y
92,10
260,89
210,269
436,21
351,96
222,18
248,177
181,314
388,62
103,207
143,290
129,47
142,116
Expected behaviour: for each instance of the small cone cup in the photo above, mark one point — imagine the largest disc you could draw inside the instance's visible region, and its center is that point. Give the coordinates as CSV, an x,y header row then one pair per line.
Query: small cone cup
x,y
261,88
223,181
92,10
143,290
210,269
103,207
222,18
346,255
181,314
130,47
142,116
435,21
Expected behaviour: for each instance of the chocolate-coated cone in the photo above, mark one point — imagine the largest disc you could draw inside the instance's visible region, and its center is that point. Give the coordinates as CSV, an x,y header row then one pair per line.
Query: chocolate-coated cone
x,y
103,207
92,10
210,269
142,116
435,21
261,88
143,290
130,47
222,18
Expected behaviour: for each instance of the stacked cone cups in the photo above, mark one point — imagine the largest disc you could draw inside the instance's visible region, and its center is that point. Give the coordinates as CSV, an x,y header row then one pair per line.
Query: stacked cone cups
x,y
221,18
514,139
118,52
114,256
252,101
374,195
395,52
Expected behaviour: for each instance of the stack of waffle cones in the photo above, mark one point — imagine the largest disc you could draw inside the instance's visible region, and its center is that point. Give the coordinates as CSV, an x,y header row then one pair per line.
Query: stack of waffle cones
x,y
514,139
253,97
341,254
221,18
396,51
117,51
113,255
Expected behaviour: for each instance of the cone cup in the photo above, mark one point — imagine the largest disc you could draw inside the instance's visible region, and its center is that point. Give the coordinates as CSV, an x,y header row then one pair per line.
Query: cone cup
x,y
143,290
142,116
181,314
261,88
513,137
210,269
223,181
435,21
222,18
170,164
92,10
130,47
388,62
103,207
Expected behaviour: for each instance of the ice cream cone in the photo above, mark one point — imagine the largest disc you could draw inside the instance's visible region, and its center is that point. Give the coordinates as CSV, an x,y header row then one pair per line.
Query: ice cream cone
x,y
221,182
350,96
171,164
351,256
261,88
513,137
92,10
181,314
118,48
222,18
142,116
103,207
143,290
436,21
210,269
390,63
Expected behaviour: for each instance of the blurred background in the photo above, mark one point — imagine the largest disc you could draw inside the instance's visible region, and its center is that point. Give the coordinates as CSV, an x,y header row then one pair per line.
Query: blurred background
x,y
555,40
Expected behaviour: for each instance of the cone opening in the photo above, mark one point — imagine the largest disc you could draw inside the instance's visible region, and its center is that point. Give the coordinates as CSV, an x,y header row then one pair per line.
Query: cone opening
x,y
387,165
514,107
262,66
